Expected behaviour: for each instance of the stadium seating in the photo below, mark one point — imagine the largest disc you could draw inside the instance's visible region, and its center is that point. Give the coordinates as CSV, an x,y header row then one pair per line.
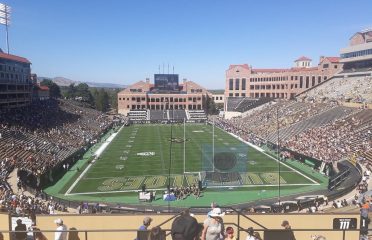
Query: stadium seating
x,y
177,115
138,115
248,103
41,136
349,88
197,115
233,102
158,115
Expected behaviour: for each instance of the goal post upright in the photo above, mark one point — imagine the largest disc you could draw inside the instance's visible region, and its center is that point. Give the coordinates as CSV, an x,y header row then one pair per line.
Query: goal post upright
x,y
213,144
184,146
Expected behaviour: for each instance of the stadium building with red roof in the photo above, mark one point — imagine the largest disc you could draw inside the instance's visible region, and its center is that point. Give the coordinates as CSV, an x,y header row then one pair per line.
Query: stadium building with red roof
x,y
165,93
244,81
15,81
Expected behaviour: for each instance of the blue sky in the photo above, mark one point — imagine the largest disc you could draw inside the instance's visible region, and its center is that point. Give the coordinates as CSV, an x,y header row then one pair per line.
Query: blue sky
x,y
125,41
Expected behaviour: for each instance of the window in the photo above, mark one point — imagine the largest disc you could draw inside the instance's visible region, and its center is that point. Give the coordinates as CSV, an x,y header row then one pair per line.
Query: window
x,y
301,82
313,81
335,66
230,95
236,94
243,83
325,65
243,94
231,84
119,99
319,79
237,84
307,81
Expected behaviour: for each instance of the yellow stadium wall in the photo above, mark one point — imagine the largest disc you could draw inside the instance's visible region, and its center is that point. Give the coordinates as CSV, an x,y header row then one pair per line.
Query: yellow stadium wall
x,y
4,224
132,222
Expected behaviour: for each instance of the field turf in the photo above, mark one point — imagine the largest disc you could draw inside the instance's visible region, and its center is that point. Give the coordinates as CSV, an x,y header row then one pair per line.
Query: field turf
x,y
140,154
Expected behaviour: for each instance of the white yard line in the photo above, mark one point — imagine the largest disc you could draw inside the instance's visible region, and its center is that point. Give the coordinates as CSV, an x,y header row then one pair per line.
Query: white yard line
x,y
97,154
263,151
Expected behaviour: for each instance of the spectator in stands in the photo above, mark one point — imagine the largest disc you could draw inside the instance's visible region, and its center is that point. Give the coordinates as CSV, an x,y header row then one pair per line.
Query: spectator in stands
x,y
38,235
73,234
61,231
287,227
22,235
156,234
250,235
185,227
230,234
146,223
213,206
213,226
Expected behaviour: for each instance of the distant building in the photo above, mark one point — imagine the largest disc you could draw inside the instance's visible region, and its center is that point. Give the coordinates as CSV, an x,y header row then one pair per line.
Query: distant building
x,y
165,93
244,81
41,92
358,54
218,97
15,81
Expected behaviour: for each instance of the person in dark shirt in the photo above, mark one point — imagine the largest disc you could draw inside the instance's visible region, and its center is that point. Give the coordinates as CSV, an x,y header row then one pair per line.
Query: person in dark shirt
x,y
20,227
185,227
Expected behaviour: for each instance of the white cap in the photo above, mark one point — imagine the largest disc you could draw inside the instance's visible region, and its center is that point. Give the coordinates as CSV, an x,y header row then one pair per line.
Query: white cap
x,y
58,221
216,212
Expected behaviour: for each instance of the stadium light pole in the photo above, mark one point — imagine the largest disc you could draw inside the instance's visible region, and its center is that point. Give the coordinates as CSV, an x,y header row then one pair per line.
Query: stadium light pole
x,y
5,11
278,151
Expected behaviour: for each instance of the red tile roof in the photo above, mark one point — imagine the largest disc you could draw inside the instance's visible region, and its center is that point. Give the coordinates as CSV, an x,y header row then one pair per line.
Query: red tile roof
x,y
303,58
276,70
333,59
14,58
44,88
239,65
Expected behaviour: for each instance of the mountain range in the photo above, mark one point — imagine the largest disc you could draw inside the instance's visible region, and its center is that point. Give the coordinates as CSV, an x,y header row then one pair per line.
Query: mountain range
x,y
64,82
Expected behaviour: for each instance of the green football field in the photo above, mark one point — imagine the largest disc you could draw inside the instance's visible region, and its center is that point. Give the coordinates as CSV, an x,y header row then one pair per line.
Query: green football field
x,y
147,154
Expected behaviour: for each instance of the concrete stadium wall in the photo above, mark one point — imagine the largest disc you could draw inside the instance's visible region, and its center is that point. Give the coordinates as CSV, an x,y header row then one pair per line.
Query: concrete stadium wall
x,y
229,115
4,224
132,222
356,105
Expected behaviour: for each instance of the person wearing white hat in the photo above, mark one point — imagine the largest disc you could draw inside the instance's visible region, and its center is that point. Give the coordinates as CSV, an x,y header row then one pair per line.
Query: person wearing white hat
x,y
60,233
213,226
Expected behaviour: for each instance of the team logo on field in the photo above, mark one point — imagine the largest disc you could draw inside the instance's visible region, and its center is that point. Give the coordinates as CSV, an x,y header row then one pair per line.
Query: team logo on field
x,y
177,140
252,162
146,154
198,131
119,167
123,158
242,155
128,146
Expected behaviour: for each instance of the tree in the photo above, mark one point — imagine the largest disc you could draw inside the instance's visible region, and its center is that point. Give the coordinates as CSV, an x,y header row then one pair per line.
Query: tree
x,y
102,100
54,90
71,91
82,90
211,106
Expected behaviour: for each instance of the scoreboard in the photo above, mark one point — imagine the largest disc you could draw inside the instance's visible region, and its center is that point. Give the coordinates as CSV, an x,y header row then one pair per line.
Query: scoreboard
x,y
168,82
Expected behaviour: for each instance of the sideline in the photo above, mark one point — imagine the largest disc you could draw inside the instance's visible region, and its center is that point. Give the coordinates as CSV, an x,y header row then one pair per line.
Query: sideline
x,y
97,153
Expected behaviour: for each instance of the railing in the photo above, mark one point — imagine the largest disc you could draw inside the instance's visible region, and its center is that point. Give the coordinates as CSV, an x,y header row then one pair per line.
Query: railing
x,y
87,233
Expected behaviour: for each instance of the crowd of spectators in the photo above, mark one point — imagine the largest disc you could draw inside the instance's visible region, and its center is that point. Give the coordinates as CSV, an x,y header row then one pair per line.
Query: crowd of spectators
x,y
342,138
40,136
353,88
335,141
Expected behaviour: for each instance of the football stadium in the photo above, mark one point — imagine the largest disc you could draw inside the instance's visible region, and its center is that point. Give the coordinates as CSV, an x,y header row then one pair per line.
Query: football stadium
x,y
278,154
